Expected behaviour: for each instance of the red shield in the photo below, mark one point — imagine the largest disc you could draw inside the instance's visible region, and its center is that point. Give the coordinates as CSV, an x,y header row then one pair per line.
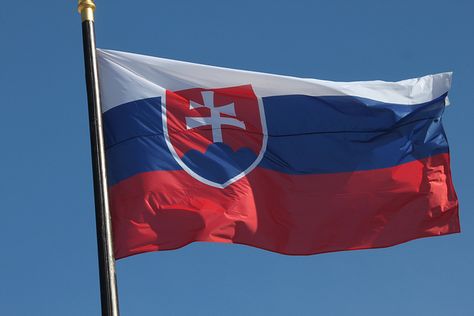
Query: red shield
x,y
216,135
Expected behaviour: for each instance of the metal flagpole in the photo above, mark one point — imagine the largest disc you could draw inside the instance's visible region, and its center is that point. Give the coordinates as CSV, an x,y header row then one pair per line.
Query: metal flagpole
x,y
108,283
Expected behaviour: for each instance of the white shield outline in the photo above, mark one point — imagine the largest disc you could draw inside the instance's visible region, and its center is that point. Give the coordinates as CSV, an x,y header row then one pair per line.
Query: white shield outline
x,y
197,176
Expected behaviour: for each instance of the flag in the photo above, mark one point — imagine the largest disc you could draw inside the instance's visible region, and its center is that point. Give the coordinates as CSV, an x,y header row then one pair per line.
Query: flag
x,y
291,165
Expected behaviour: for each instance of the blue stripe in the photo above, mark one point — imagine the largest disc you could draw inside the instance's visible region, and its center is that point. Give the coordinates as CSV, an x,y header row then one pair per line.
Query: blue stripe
x,y
306,135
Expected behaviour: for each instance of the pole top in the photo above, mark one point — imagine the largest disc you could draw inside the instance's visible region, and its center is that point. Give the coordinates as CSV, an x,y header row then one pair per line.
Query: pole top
x,y
86,9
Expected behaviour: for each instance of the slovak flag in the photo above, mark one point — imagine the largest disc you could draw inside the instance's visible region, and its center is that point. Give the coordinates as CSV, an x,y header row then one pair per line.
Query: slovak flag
x,y
291,165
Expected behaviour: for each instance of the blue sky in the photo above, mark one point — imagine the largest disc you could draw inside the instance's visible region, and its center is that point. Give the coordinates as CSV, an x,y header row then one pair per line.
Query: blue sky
x,y
48,264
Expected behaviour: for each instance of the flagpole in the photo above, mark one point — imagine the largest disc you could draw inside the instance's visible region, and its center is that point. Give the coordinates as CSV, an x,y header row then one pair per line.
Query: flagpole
x,y
108,283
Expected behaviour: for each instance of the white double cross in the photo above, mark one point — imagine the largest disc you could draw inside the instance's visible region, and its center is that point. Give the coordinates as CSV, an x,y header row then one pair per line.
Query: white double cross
x,y
215,120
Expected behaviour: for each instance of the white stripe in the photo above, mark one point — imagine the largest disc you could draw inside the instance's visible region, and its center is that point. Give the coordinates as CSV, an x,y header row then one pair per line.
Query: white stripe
x,y
126,77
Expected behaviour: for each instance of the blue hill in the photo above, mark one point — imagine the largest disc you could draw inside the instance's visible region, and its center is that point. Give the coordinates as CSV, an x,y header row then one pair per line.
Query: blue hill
x,y
219,163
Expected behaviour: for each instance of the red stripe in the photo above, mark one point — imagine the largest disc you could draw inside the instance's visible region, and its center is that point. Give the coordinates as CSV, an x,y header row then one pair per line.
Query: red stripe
x,y
290,214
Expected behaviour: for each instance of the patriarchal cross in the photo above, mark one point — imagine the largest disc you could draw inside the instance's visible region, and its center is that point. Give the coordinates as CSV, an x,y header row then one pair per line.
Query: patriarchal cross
x,y
215,120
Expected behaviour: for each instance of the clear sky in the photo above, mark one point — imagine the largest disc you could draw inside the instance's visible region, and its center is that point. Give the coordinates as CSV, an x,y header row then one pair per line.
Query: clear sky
x,y
48,264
